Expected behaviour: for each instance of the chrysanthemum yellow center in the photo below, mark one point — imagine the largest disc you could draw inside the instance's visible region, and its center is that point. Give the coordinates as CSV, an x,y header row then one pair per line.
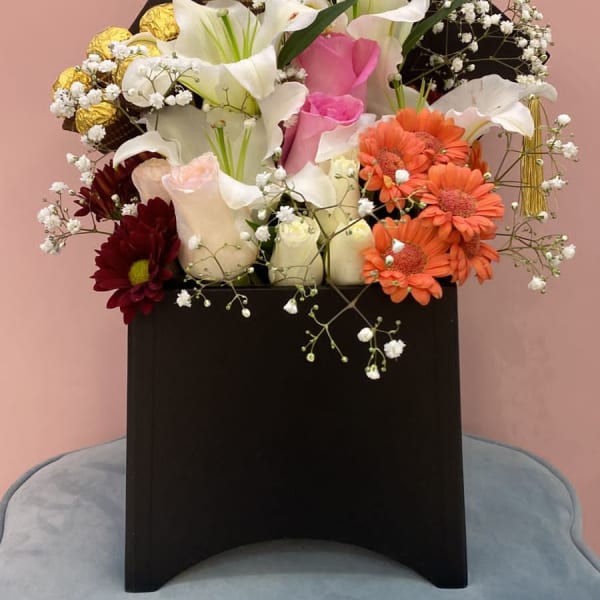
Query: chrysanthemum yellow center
x,y
411,259
431,143
139,272
457,202
390,161
472,247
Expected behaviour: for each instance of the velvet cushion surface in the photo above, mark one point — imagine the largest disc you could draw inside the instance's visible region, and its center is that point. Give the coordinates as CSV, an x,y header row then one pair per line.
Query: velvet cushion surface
x,y
62,531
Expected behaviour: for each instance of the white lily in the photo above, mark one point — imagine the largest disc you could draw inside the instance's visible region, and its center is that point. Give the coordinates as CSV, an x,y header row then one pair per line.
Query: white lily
x,y
491,101
180,133
388,24
235,48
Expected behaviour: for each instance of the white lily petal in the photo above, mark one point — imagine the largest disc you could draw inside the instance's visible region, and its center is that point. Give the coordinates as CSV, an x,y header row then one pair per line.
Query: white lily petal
x,y
543,90
286,100
256,74
373,21
201,29
184,125
280,16
237,194
150,141
314,186
516,118
341,140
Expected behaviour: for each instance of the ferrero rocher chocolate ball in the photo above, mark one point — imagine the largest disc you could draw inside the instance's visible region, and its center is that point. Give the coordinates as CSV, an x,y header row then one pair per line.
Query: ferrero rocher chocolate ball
x,y
100,42
123,65
160,22
69,76
104,113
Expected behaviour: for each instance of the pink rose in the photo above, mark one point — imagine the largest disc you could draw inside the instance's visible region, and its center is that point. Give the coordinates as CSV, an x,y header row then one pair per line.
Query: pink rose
x,y
319,114
337,64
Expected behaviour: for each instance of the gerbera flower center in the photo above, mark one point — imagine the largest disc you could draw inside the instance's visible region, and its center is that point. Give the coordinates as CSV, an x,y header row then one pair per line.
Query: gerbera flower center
x,y
411,259
432,144
390,161
457,202
472,247
139,271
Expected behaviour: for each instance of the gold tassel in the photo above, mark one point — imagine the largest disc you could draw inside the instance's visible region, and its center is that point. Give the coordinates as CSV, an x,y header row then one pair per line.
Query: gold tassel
x,y
533,199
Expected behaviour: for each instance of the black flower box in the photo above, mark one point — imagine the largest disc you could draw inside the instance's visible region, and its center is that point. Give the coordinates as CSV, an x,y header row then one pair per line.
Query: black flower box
x,y
234,438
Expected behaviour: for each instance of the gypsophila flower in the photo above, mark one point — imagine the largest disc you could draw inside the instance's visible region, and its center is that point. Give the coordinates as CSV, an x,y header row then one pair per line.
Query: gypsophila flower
x,y
542,216
365,207
291,306
83,163
373,372
397,246
394,348
184,299
194,242
46,212
568,252
262,233
279,174
246,313
402,176
286,214
130,209
365,334
73,226
156,100
570,150
183,98
537,284
49,246
111,92
87,177
96,133
563,120
58,187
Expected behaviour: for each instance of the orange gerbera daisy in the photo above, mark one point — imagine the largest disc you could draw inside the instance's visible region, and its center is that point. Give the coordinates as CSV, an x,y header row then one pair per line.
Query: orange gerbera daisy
x,y
473,254
459,198
442,138
406,258
384,150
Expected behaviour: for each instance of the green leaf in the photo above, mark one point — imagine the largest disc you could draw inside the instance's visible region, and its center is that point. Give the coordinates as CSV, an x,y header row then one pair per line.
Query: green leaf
x,y
300,40
422,27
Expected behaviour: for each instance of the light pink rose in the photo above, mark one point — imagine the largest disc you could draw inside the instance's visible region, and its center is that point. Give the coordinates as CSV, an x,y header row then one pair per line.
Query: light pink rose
x,y
337,64
319,114
147,178
208,226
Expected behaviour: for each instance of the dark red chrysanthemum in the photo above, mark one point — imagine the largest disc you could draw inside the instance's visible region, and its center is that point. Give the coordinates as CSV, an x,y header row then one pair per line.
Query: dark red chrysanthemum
x,y
138,258
109,182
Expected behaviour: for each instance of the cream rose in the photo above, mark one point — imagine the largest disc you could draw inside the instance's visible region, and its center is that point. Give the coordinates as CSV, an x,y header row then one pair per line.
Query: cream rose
x,y
345,259
147,178
296,259
211,211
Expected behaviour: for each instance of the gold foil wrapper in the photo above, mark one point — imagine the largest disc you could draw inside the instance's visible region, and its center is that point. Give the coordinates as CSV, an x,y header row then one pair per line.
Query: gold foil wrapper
x,y
123,65
160,22
104,113
69,76
100,42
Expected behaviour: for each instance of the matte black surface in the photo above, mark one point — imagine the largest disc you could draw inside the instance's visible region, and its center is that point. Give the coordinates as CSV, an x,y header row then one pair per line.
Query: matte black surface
x,y
233,438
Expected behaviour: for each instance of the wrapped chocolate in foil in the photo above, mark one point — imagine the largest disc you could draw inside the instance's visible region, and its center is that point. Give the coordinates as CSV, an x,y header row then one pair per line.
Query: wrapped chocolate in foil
x,y
69,76
160,22
101,41
104,113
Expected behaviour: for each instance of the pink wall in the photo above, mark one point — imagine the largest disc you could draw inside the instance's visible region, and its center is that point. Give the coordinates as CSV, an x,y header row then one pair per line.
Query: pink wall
x,y
529,362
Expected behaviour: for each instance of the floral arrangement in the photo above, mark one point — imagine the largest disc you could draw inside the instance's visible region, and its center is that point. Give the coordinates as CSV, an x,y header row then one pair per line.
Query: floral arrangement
x,y
312,143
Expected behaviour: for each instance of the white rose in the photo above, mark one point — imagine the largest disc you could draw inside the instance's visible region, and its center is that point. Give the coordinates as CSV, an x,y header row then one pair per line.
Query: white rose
x,y
345,260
